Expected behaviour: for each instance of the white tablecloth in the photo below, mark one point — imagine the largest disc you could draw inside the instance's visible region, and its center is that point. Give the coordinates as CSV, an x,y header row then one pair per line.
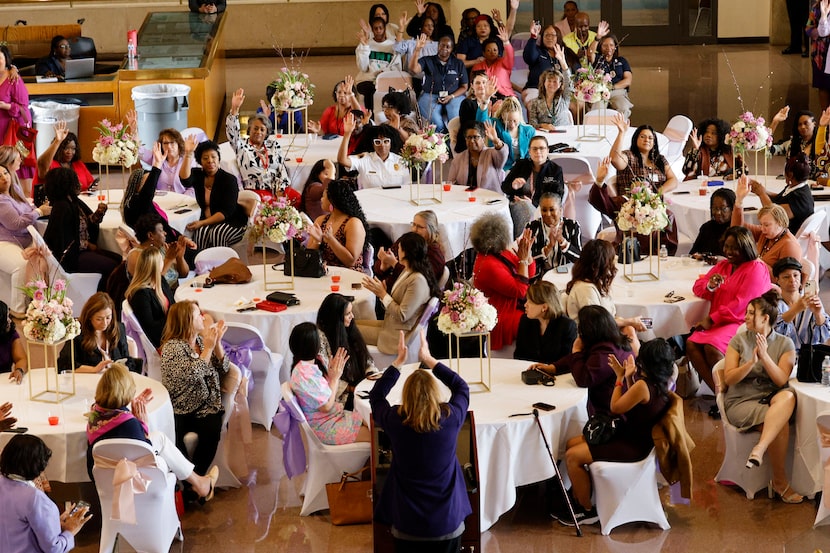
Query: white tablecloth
x,y
511,452
692,209
646,299
807,472
169,202
392,212
276,327
67,440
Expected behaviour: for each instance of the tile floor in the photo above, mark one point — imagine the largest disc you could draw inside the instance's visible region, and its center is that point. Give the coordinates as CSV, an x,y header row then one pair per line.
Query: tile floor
x,y
695,80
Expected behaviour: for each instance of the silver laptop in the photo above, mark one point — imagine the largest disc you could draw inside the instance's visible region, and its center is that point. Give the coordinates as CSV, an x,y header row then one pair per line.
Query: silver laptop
x,y
82,68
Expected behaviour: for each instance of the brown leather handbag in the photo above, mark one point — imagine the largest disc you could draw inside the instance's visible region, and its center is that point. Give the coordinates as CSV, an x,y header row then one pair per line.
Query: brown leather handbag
x,y
350,500
232,271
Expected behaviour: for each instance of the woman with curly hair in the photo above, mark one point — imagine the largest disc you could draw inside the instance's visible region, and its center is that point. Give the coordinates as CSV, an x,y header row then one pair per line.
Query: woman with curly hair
x,y
338,329
322,173
382,166
406,300
590,284
711,156
64,151
397,108
341,233
501,274
806,137
433,11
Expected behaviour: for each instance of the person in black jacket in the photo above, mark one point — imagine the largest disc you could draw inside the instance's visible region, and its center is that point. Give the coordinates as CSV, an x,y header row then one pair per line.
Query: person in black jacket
x,y
139,194
206,6
546,334
556,239
528,180
222,221
102,341
433,11
149,295
73,227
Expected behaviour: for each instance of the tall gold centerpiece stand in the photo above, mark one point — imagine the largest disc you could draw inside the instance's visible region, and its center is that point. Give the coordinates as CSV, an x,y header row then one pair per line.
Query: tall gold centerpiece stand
x,y
454,357
276,283
49,389
582,130
653,272
104,190
434,191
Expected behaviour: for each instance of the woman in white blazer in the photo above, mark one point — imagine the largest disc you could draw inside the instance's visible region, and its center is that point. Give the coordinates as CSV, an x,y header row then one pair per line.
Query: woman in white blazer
x,y
406,300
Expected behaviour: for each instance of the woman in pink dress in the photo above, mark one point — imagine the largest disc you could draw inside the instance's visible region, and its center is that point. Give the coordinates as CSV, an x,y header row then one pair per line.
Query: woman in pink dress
x,y
14,104
730,286
315,387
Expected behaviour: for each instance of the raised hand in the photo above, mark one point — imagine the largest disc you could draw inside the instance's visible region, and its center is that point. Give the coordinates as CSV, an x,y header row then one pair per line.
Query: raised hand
x,y
559,54
492,86
602,169
158,154
490,131
61,132
824,8
616,366
824,118
349,123
620,122
742,188
421,6
363,37
349,80
782,115
365,26
603,28
402,350
421,41
535,28
503,34
496,14
265,107
236,100
190,144
514,5
696,140
132,120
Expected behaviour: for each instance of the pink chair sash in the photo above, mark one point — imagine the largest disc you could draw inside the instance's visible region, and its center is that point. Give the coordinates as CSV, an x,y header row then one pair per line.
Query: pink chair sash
x,y
36,265
239,431
824,441
127,481
813,242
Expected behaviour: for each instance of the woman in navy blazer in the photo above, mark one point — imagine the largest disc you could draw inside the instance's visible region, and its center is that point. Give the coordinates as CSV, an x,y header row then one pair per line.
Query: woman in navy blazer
x,y
425,496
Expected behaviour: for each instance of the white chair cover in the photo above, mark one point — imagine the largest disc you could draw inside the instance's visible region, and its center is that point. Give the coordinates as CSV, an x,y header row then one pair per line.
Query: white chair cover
x,y
738,447
823,423
12,276
325,463
677,131
627,492
79,286
155,509
209,258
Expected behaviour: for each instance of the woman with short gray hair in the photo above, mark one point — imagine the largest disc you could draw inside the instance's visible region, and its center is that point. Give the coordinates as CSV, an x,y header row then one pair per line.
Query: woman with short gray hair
x,y
501,274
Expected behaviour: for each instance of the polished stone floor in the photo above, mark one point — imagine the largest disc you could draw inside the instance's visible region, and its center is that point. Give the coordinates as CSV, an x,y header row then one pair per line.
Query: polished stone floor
x,y
264,516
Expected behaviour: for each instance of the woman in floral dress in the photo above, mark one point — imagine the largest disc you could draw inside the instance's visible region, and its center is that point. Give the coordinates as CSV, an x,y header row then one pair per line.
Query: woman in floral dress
x,y
315,387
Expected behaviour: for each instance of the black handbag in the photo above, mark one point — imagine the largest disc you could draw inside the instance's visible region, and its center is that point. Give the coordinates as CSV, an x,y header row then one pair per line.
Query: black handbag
x,y
534,376
810,358
306,262
284,298
600,428
629,250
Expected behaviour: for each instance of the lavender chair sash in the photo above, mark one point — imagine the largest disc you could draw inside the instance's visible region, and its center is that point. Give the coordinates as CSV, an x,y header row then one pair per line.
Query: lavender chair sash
x,y
293,452
134,331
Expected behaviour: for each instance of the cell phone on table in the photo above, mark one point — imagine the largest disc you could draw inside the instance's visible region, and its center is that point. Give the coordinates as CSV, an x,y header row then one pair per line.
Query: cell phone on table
x,y
544,406
17,430
810,288
183,210
682,192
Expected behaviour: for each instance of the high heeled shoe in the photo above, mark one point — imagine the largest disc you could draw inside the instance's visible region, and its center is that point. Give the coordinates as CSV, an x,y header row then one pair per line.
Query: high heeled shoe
x,y
213,475
787,495
756,458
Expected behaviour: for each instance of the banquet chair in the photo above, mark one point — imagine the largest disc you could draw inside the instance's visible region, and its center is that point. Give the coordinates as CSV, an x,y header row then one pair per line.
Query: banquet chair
x,y
227,477
249,201
324,463
808,236
146,349
738,447
677,131
368,258
627,492
79,286
246,348
453,126
155,510
519,40
413,344
445,278
600,116
823,424
12,276
579,169
520,72
209,258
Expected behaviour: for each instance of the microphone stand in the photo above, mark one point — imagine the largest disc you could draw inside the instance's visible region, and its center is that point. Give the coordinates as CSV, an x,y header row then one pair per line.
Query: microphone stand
x,y
558,474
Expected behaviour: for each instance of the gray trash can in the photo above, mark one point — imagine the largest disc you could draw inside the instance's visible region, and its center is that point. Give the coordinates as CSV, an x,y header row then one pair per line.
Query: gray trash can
x,y
46,114
158,107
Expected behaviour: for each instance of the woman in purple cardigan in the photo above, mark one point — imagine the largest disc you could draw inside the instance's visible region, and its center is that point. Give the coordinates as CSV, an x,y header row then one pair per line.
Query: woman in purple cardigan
x,y
425,496
29,520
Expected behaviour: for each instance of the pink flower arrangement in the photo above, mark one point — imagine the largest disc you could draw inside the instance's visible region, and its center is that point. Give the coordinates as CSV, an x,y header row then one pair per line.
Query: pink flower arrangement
x,y
423,148
591,84
49,315
116,145
749,134
644,212
293,89
466,309
278,221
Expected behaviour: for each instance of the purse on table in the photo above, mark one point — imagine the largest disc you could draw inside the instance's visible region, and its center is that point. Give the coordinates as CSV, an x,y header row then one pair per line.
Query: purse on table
x,y
810,357
306,262
535,376
283,298
232,271
350,499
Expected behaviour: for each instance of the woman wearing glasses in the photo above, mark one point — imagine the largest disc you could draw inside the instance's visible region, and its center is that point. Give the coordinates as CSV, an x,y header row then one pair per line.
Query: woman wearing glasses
x,y
381,167
54,65
425,224
480,166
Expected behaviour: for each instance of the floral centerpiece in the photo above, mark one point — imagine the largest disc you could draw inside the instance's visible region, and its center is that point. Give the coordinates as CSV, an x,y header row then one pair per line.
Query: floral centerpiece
x,y
466,309
116,145
293,89
644,213
591,84
749,134
49,315
420,149
277,220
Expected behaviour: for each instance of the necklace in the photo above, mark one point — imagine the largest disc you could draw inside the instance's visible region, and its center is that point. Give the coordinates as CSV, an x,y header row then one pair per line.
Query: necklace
x,y
769,244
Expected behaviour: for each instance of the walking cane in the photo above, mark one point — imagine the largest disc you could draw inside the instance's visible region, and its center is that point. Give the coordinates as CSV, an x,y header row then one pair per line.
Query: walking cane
x,y
558,474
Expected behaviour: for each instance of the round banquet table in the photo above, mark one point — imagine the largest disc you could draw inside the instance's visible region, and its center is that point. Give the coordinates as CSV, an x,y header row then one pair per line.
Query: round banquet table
x,y
692,210
169,202
511,452
646,299
812,399
221,302
391,211
67,440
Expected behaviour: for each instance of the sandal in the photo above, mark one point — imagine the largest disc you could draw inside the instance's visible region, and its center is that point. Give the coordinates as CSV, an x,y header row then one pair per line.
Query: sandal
x,y
756,459
787,495
714,412
213,474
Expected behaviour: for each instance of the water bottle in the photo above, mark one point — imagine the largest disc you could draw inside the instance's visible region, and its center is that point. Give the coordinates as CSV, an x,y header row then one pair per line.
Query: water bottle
x,y
664,253
825,371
